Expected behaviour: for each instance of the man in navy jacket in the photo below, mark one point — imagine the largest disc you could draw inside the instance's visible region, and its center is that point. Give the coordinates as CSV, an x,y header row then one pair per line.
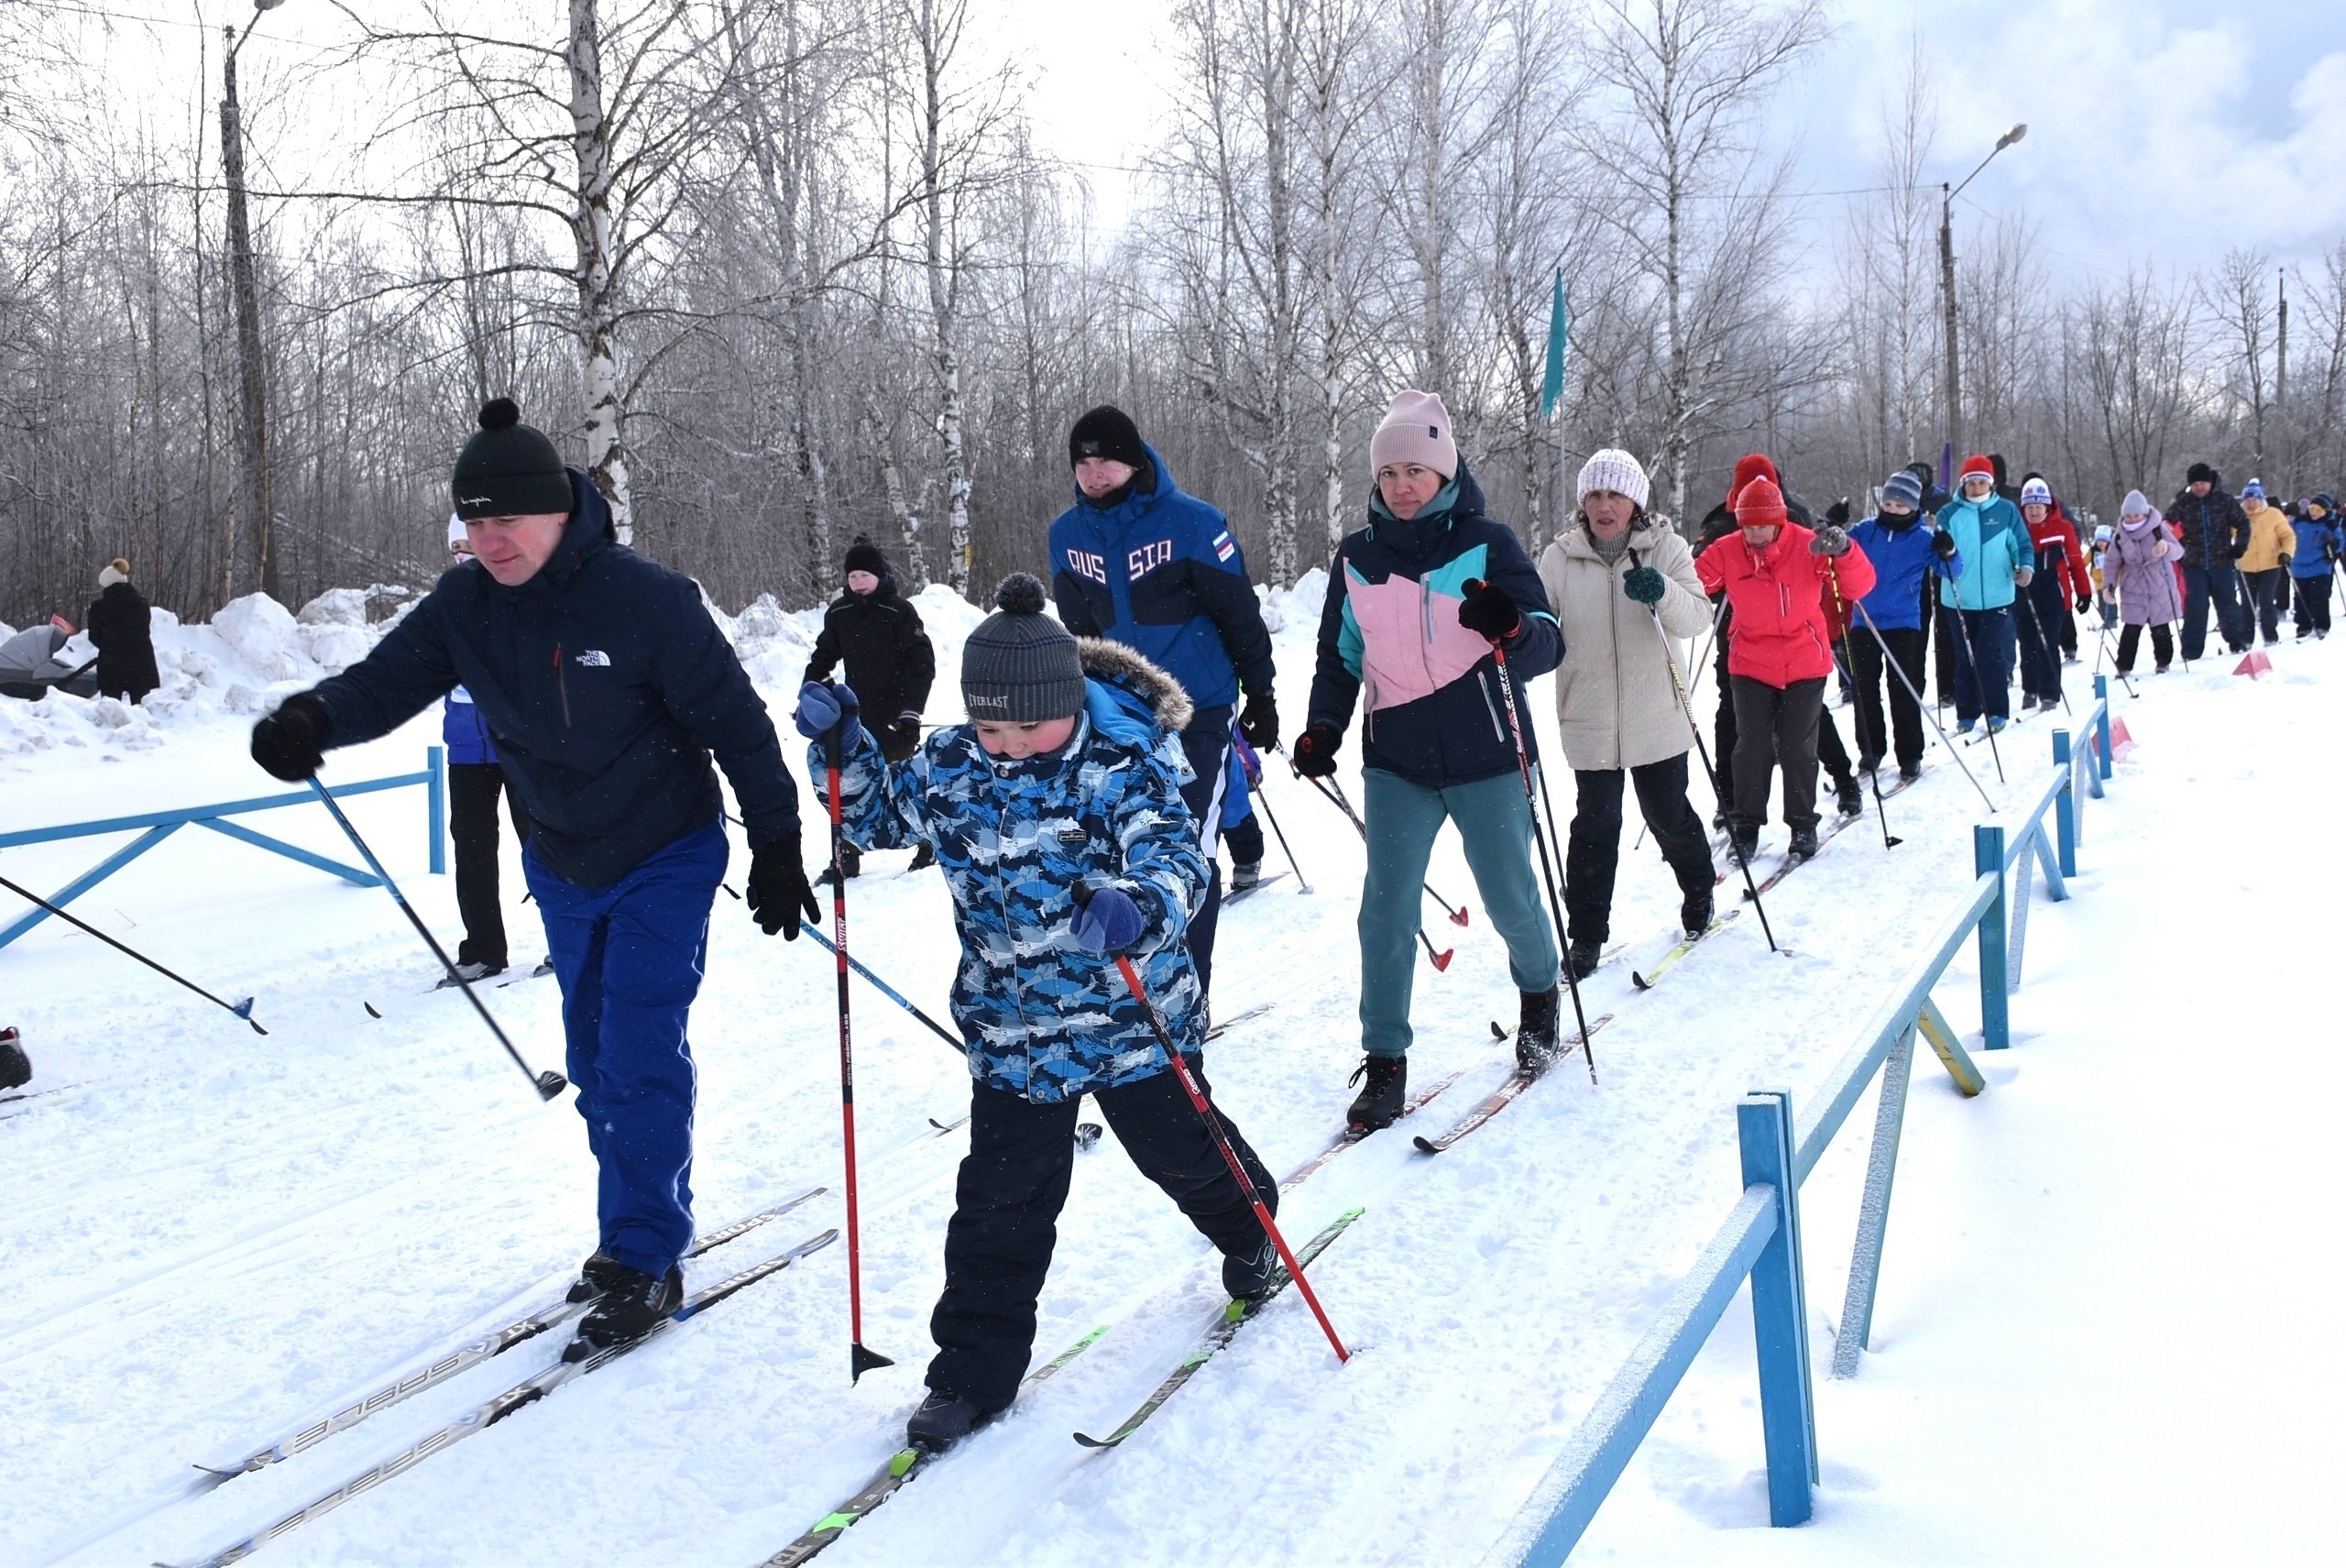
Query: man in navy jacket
x,y
1136,561
606,688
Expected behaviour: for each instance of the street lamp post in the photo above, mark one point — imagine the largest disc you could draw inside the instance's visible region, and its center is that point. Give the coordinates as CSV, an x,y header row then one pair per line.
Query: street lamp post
x,y
253,503
1946,286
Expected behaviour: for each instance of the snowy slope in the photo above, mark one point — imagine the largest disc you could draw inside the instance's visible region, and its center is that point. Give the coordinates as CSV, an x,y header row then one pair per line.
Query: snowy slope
x,y
215,1236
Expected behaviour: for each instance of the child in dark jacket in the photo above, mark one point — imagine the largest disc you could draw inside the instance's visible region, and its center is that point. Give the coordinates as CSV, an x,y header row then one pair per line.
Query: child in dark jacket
x,y
878,636
1067,779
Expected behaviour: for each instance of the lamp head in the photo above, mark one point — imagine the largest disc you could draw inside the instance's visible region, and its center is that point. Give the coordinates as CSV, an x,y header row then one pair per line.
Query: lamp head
x,y
2002,142
267,4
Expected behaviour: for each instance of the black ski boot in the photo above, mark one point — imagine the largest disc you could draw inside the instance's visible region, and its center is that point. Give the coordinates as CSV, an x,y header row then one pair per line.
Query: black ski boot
x,y
1743,844
923,857
631,1305
1249,1277
1243,877
1535,1030
1909,772
1804,845
597,1274
1694,914
1379,1101
1584,957
943,1419
1848,797
15,1068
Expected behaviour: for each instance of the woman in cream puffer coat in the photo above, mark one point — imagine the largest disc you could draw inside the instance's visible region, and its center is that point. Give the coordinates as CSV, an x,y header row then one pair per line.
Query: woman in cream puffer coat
x,y
1609,579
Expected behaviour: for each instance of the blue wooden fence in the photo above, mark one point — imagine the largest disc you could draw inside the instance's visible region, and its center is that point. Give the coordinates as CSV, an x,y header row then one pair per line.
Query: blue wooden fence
x,y
1760,1238
160,825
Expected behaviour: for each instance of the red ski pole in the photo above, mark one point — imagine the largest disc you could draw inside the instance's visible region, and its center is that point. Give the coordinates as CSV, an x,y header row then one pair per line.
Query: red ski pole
x,y
860,1359
1229,1154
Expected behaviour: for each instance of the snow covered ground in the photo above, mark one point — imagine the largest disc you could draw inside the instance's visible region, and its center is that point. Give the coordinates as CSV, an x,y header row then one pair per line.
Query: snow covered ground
x,y
2101,1330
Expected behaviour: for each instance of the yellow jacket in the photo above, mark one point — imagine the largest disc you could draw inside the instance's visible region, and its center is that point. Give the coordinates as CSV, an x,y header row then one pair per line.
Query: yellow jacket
x,y
2271,540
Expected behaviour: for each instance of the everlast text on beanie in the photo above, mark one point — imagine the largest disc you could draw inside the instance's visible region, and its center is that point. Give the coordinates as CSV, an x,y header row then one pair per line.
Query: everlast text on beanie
x,y
1020,666
1416,430
1106,432
508,468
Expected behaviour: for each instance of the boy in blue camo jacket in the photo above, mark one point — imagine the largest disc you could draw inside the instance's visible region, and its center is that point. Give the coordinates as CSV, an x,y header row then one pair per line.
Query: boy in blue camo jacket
x,y
1068,774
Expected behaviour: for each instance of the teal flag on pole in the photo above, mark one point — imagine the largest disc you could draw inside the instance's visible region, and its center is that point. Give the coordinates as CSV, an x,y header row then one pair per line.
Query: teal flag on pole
x,y
1551,389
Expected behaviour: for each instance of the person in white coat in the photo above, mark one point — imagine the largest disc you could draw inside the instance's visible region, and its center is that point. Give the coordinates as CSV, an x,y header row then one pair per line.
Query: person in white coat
x,y
1623,587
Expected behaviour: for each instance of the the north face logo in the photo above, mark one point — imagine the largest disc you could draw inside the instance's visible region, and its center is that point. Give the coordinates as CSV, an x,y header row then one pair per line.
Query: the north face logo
x,y
1434,431
596,658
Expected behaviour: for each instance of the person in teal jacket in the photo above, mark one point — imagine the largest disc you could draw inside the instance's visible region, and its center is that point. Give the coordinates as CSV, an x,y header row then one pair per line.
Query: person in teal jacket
x,y
1976,604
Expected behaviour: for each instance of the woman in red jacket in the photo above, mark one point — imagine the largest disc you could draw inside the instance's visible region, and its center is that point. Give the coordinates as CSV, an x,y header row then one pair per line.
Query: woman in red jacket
x,y
1777,576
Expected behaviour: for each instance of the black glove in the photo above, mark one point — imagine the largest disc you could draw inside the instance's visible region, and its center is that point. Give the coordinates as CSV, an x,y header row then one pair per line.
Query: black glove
x,y
1642,584
1943,545
1830,540
1488,610
1837,514
1315,751
2085,603
904,734
2237,551
1260,721
779,896
291,744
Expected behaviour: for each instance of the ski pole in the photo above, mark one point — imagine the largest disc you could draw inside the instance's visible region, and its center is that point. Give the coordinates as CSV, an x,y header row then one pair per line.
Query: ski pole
x,y
1221,1141
549,1083
859,1359
1263,802
891,992
241,1008
1335,792
1734,845
1438,956
1928,711
1873,774
2123,679
1547,871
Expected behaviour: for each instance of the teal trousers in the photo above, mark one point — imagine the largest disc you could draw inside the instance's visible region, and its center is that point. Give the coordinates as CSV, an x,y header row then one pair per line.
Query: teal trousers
x,y
1495,823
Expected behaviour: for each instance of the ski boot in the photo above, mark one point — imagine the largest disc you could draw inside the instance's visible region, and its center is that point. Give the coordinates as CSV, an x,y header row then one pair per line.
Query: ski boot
x,y
16,1066
1909,772
1243,877
1743,844
632,1304
1535,1030
923,857
1804,845
1249,1277
1995,724
1379,1101
1848,797
597,1274
1694,914
943,1419
1964,726
1584,957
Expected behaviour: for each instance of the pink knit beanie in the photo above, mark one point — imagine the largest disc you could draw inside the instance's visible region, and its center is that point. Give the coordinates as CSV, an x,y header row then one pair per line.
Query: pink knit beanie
x,y
1416,430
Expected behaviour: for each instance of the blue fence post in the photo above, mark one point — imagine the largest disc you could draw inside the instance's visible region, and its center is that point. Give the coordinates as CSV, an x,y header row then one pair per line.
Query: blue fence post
x,y
2064,807
1995,1006
1780,1312
435,806
2101,723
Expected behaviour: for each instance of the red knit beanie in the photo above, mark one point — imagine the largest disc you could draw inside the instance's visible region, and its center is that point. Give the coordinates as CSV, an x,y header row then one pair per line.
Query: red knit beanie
x,y
1977,466
1759,504
1750,467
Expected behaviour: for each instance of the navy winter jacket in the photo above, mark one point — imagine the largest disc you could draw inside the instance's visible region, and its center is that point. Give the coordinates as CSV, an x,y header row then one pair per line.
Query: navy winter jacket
x,y
2318,545
605,686
1159,572
1436,714
1902,558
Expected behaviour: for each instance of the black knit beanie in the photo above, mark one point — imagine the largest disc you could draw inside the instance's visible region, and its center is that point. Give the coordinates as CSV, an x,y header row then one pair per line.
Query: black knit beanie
x,y
1020,665
2199,471
1106,432
864,557
508,468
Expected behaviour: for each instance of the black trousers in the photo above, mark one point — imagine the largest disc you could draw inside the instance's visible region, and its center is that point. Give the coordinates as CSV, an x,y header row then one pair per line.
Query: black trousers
x,y
1830,752
1776,726
1244,837
2264,606
1593,843
1866,662
473,788
1207,743
2313,604
1005,1220
2162,645
1722,733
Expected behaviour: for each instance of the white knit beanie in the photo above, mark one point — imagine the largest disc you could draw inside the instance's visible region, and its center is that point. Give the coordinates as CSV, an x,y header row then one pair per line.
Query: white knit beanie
x,y
1416,430
457,532
1614,470
115,570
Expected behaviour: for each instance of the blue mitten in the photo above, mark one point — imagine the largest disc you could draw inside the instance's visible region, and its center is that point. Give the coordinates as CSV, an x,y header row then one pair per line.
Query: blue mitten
x,y
822,706
1109,922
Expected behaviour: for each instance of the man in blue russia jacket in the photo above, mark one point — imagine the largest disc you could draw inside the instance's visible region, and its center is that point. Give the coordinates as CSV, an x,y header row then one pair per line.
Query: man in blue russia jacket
x,y
1136,561
606,688
475,782
1906,553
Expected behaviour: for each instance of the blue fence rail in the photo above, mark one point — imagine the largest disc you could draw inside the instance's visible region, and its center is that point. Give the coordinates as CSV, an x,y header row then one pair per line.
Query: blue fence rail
x,y
159,825
1760,1238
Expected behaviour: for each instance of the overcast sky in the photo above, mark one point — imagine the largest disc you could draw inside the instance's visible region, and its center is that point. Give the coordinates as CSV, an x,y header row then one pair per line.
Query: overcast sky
x,y
2159,130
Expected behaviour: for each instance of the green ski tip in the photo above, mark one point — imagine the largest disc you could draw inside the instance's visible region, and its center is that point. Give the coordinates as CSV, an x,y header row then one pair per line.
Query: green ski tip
x,y
905,1460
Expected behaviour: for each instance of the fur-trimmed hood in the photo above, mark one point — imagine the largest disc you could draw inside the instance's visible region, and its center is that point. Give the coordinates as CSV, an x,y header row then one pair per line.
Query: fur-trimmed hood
x,y
1121,665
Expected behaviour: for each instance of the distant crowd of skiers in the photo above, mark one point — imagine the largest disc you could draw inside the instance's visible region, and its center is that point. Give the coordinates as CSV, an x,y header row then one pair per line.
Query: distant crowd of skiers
x,y
1074,817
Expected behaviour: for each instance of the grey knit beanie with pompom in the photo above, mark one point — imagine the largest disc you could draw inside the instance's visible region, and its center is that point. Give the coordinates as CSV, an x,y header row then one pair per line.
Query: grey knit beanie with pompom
x,y
1021,666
